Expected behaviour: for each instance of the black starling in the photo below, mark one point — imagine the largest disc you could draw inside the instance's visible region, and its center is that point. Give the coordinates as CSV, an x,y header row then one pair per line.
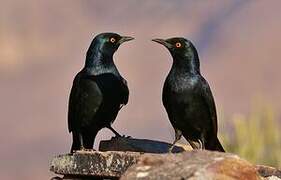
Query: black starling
x,y
98,92
188,99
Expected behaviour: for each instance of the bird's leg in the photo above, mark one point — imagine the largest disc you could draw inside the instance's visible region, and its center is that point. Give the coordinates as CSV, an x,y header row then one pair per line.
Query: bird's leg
x,y
82,148
201,142
115,132
193,144
178,135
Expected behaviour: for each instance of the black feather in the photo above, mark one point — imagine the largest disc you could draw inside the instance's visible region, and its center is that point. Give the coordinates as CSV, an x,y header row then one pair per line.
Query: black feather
x,y
187,97
97,93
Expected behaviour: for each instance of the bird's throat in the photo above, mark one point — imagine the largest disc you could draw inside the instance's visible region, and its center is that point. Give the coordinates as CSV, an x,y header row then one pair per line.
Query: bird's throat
x,y
186,66
99,67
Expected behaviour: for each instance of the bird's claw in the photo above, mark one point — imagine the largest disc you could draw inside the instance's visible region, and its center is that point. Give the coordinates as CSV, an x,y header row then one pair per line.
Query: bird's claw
x,y
123,136
90,150
170,150
127,137
82,149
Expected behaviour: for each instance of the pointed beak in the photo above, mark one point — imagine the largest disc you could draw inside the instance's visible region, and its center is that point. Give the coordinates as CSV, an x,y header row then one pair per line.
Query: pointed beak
x,y
163,42
125,39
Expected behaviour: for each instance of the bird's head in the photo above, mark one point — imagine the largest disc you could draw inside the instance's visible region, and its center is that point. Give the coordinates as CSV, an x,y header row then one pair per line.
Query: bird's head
x,y
107,44
180,48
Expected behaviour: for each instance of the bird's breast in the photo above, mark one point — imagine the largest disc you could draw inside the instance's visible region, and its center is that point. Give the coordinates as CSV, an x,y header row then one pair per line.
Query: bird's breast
x,y
179,83
113,89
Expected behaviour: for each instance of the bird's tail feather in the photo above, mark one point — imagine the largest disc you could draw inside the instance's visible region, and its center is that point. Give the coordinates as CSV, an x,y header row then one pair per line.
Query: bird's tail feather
x,y
214,145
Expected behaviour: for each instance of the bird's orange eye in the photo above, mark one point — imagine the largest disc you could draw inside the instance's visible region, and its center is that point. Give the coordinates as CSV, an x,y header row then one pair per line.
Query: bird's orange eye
x,y
178,45
112,40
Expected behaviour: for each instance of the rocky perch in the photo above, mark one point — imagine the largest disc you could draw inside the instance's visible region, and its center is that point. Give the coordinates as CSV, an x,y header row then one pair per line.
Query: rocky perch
x,y
128,159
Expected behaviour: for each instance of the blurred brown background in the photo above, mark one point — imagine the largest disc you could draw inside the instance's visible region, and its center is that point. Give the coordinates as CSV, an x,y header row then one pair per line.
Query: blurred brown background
x,y
43,46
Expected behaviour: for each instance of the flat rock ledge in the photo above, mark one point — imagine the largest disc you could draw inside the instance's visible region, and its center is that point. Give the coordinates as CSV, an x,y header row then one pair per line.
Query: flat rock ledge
x,y
94,163
128,165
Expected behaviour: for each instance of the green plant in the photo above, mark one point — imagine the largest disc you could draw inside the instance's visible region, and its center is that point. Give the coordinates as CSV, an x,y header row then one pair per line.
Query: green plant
x,y
255,137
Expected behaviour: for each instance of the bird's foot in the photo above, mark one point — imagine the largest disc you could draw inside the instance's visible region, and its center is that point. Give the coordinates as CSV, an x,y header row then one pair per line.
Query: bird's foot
x,y
127,137
82,149
170,150
89,150
201,144
121,136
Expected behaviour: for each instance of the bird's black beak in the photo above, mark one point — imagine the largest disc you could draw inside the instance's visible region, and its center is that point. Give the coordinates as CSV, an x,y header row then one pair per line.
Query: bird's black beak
x,y
125,39
163,42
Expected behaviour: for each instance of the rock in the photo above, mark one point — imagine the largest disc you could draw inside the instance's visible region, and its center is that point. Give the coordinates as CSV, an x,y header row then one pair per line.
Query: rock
x,y
108,164
272,178
94,163
120,160
192,165
139,145
266,171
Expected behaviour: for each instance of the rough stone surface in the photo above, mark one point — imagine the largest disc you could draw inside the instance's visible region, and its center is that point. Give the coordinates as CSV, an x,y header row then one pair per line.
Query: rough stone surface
x,y
155,163
271,178
266,171
139,145
192,165
94,163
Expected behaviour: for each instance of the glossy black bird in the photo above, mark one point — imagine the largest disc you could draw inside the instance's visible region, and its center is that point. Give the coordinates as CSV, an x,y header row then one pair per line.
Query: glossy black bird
x,y
188,99
98,92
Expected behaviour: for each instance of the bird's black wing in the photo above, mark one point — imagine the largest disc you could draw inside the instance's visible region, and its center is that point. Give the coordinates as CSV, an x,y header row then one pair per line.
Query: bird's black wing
x,y
85,99
166,93
209,100
124,92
